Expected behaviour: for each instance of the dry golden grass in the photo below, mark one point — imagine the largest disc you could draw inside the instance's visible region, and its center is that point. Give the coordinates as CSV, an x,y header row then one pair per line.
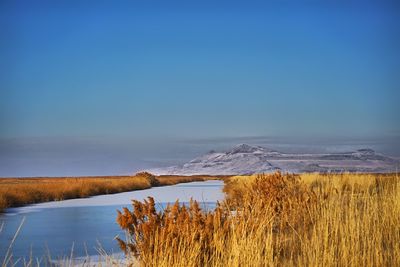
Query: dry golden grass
x,y
21,191
275,220
174,179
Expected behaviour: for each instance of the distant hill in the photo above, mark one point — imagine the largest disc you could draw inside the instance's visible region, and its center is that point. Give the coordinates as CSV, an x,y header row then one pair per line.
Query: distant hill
x,y
247,159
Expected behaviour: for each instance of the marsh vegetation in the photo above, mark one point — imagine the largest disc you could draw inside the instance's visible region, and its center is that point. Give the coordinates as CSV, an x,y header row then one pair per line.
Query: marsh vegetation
x,y
274,220
16,192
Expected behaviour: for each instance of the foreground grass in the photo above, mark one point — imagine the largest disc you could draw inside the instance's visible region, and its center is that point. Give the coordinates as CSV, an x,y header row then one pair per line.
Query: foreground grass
x,y
274,220
16,192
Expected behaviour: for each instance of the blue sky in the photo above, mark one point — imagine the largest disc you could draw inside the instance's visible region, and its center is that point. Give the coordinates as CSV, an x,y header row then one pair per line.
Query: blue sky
x,y
199,68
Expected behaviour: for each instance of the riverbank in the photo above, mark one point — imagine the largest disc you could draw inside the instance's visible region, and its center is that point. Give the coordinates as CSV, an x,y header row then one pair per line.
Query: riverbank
x,y
17,192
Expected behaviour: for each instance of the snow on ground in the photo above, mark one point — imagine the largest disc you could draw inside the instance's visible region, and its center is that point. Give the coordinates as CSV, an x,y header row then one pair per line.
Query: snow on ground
x,y
208,191
246,159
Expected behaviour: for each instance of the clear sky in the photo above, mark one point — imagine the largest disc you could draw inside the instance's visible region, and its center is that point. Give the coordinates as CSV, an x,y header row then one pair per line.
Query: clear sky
x,y
199,68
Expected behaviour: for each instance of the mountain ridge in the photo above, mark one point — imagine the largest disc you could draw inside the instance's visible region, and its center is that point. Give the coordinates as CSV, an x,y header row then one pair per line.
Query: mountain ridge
x,y
249,159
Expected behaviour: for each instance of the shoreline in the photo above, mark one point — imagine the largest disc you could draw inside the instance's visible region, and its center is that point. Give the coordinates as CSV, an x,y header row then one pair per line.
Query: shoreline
x,y
19,192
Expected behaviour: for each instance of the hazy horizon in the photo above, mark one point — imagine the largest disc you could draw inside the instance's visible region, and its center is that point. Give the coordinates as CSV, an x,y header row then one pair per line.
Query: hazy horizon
x,y
101,156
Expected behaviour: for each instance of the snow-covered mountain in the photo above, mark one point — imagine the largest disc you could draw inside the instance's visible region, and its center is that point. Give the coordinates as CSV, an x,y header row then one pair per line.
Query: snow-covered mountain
x,y
246,159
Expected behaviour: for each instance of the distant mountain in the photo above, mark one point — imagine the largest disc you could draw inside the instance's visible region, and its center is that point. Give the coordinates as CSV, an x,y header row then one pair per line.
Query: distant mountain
x,y
247,159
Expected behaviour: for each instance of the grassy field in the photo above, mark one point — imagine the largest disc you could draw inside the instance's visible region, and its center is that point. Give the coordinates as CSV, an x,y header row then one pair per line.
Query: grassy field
x,y
274,220
16,192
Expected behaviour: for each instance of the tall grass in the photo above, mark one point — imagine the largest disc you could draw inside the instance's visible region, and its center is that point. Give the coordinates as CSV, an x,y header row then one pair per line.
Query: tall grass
x,y
21,191
274,220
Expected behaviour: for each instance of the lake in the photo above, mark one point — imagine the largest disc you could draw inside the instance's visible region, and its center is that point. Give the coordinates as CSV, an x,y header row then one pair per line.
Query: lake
x,y
81,225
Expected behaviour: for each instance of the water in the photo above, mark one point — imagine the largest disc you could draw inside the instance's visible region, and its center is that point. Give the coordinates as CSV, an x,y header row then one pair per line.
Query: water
x,y
83,224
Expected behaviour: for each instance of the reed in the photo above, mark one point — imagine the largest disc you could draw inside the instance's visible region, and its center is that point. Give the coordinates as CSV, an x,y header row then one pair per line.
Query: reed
x,y
274,220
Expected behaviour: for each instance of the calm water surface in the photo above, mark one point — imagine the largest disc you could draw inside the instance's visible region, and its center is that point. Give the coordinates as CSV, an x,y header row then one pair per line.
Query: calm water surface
x,y
83,224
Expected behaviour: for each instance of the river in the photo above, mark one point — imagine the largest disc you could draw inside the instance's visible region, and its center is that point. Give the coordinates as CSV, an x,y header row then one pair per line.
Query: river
x,y
82,225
